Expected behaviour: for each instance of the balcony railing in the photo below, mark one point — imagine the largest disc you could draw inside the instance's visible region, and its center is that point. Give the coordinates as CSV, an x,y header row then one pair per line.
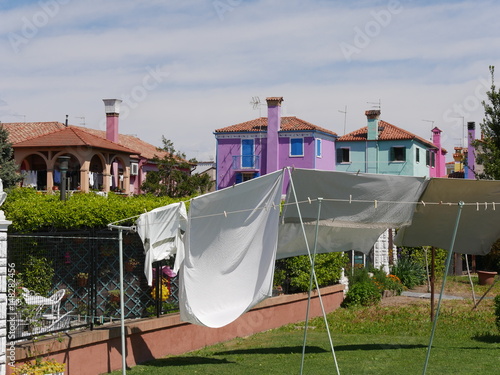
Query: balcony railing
x,y
246,162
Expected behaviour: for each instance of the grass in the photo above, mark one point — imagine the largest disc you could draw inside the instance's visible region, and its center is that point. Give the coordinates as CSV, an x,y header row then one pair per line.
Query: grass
x,y
390,338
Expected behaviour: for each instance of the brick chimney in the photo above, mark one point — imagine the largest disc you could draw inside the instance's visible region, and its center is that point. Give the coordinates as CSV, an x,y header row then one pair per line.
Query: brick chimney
x,y
471,156
112,109
273,127
372,116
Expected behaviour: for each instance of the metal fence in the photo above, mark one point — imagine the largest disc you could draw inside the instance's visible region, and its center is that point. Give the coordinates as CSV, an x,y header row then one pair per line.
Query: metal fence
x,y
86,265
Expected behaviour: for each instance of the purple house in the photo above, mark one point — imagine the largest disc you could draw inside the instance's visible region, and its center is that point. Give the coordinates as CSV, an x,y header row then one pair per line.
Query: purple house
x,y
265,145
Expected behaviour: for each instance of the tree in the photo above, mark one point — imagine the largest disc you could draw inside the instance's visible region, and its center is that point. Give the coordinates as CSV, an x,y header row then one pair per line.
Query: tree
x,y
488,148
8,167
173,177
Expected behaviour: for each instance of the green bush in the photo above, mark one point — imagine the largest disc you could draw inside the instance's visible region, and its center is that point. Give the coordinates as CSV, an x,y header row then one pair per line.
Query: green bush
x,y
362,294
31,211
293,274
36,274
410,272
497,311
417,255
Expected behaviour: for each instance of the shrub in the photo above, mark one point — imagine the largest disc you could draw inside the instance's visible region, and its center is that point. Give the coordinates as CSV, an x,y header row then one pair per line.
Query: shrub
x,y
37,274
410,272
497,310
362,294
418,254
31,211
293,274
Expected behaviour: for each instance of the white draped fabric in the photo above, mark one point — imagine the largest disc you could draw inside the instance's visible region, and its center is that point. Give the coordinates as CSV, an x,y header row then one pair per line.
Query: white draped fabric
x,y
355,209
434,218
230,251
161,231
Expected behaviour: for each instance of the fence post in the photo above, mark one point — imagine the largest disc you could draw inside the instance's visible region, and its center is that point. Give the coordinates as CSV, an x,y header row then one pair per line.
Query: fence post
x,y
4,224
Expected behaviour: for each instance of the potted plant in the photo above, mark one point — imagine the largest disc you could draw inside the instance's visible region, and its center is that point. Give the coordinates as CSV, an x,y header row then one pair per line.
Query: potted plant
x,y
81,278
41,366
131,264
114,296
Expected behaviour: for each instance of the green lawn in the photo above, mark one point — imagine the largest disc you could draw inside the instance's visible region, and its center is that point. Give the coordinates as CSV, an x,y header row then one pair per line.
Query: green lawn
x,y
391,338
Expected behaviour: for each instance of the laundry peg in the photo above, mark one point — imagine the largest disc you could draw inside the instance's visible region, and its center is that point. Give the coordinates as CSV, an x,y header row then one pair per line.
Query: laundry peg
x,y
423,203
485,205
309,200
350,198
477,206
376,203
225,213
493,204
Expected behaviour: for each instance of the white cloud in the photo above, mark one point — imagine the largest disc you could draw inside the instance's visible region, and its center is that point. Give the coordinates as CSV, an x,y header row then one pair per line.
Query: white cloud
x,y
424,61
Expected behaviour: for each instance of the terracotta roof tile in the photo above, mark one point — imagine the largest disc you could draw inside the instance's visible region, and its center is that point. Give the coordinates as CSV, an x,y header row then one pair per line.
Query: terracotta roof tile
x,y
291,123
387,132
73,136
34,134
21,131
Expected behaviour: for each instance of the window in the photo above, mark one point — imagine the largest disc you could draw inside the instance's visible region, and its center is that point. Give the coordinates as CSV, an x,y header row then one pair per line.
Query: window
x,y
245,176
398,153
343,155
427,158
433,159
247,153
417,155
296,147
318,148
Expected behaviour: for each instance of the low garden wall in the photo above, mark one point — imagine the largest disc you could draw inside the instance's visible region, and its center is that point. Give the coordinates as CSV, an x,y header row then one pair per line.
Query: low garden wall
x,y
98,351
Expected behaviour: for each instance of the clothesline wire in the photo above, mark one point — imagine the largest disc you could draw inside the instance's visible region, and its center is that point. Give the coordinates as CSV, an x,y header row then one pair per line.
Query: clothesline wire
x,y
478,205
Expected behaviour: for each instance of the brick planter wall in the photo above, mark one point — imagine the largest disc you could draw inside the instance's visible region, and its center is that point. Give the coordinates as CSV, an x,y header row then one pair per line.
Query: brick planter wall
x,y
98,351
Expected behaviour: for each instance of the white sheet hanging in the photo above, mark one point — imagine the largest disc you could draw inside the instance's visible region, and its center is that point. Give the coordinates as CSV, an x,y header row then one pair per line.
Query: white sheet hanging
x,y
356,209
433,223
161,233
230,251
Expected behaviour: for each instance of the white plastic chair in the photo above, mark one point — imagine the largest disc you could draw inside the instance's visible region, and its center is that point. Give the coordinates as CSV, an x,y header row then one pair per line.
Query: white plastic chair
x,y
55,307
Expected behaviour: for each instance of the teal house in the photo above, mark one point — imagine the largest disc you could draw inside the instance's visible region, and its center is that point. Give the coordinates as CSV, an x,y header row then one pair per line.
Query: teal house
x,y
383,148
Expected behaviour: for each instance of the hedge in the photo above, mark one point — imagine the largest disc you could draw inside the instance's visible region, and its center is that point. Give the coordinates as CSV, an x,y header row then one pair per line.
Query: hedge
x,y
31,211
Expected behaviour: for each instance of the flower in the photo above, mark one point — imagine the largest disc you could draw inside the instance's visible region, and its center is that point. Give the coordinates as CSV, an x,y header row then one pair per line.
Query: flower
x,y
132,262
165,290
82,275
40,367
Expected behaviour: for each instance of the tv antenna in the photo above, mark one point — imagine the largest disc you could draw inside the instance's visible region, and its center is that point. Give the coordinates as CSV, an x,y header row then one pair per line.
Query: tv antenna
x,y
463,143
345,116
256,104
377,105
83,120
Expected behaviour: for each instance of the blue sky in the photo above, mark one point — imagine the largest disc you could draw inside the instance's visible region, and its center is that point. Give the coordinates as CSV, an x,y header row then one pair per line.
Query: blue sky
x,y
187,67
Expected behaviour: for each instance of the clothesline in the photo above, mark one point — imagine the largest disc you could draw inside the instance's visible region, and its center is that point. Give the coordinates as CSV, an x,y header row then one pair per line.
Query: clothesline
x,y
478,205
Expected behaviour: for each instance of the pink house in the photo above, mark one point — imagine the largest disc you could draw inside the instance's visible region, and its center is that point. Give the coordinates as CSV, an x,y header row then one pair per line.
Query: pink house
x,y
265,145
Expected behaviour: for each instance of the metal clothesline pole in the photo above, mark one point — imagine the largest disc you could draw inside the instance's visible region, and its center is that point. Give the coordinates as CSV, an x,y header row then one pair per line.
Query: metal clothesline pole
x,y
122,294
313,273
448,262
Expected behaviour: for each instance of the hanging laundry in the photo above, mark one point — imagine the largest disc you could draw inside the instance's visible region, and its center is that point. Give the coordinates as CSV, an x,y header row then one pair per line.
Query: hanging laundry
x,y
229,259
57,176
161,231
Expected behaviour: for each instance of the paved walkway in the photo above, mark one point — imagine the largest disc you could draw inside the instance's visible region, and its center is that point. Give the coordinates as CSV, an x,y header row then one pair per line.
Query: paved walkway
x,y
428,295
